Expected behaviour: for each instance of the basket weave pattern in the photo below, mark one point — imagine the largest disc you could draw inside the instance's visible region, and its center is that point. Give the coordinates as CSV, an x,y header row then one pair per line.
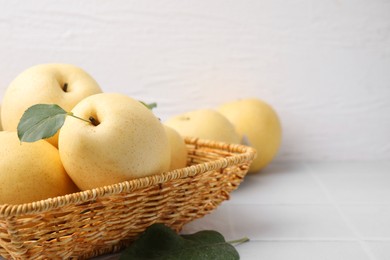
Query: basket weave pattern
x,y
104,220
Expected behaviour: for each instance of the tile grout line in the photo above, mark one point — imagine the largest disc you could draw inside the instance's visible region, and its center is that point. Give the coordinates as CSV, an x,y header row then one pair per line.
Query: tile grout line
x,y
308,203
359,239
316,239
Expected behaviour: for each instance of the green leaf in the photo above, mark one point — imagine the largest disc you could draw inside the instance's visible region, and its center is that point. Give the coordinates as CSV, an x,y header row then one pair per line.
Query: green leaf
x,y
40,121
160,242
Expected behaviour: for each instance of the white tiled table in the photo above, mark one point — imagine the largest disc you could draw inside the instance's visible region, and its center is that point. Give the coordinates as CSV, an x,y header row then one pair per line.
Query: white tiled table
x,y
332,211
309,211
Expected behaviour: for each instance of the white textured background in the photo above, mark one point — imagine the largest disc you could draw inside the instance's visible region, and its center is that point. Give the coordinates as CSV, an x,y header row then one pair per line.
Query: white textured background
x,y
323,65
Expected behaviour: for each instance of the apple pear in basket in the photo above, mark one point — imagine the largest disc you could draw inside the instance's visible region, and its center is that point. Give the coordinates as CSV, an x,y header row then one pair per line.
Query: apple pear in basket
x,y
178,149
206,124
61,84
30,171
123,140
1,128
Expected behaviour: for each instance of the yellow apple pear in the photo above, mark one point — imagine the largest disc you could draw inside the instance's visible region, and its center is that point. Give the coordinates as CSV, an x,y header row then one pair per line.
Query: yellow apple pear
x,y
61,84
178,149
259,126
206,124
124,141
30,171
1,128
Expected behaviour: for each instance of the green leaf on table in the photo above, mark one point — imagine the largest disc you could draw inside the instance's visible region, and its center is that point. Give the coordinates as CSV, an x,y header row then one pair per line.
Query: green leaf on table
x,y
40,121
160,242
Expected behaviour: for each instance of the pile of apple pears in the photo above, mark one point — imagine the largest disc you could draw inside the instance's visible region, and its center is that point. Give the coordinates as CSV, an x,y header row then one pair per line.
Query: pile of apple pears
x,y
120,138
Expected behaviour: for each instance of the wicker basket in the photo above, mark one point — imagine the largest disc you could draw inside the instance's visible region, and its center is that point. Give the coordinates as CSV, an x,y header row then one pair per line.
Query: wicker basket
x,y
106,219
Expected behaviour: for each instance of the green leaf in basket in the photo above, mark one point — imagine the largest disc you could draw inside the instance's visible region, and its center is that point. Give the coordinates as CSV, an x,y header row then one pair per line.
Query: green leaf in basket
x,y
160,242
40,121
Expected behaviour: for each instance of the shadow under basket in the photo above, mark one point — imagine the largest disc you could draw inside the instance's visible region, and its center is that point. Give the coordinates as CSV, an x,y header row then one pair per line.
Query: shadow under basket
x,y
105,220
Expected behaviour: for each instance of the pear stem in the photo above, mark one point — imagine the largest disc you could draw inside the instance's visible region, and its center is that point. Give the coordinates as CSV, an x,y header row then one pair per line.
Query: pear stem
x,y
93,121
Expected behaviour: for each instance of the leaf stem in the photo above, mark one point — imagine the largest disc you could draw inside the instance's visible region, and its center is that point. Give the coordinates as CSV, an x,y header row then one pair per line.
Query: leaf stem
x,y
150,105
238,241
71,114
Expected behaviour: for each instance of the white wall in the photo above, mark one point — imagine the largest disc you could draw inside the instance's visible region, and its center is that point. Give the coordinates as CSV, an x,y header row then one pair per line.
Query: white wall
x,y
323,65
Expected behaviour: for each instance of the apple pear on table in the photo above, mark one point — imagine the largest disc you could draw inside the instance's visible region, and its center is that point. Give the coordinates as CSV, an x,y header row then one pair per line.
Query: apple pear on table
x,y
61,84
259,126
30,171
125,141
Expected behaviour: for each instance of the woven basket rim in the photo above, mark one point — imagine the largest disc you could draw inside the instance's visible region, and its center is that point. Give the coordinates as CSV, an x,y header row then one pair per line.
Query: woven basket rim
x,y
244,153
